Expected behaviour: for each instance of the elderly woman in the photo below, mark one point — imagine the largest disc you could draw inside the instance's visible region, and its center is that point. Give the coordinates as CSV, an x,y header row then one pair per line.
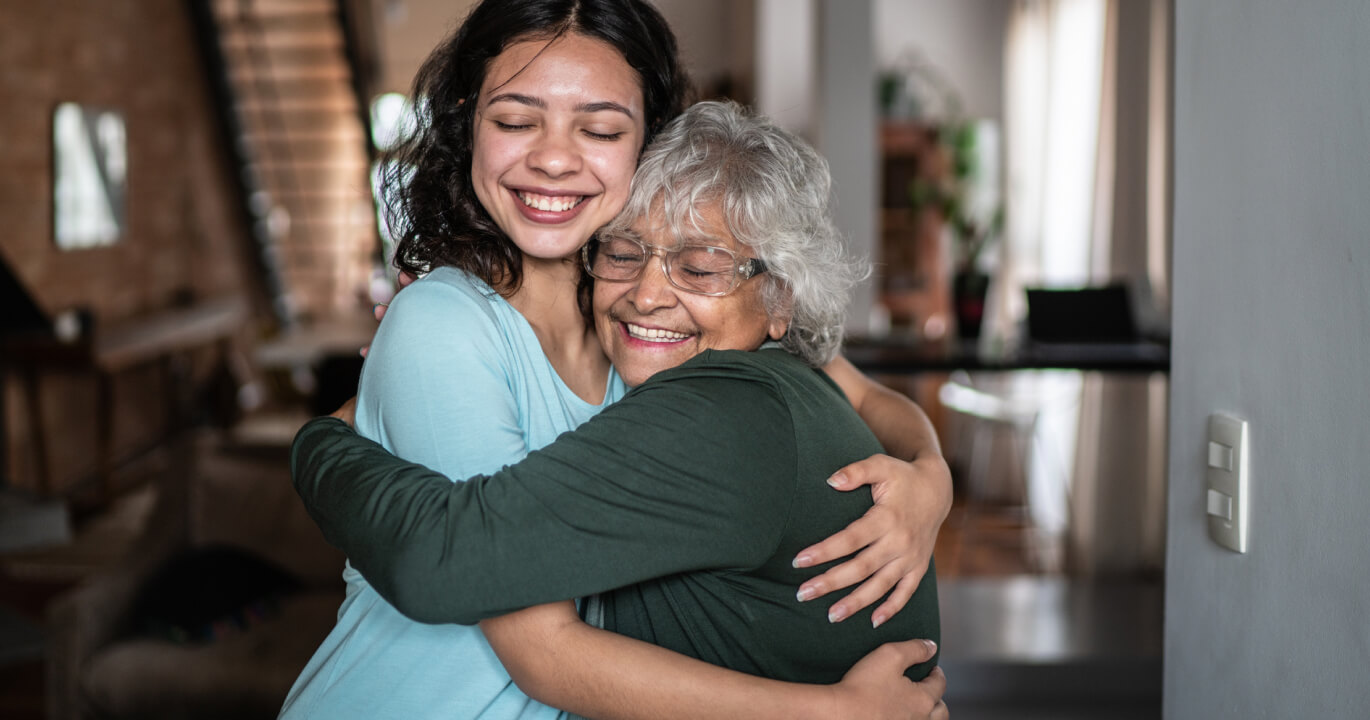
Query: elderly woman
x,y
719,291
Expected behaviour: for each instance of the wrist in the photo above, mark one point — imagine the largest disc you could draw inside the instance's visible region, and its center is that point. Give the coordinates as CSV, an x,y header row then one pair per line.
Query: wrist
x,y
824,703
933,469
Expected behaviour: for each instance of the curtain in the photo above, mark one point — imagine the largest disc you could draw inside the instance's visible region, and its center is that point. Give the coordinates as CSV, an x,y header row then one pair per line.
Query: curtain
x,y
1086,147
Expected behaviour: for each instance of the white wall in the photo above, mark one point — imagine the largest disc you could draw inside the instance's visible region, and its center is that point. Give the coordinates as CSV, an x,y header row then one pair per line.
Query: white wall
x,y
1272,323
962,38
846,134
786,63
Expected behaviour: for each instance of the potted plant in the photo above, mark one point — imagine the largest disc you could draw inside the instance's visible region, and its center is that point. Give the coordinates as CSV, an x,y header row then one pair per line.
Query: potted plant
x,y
963,194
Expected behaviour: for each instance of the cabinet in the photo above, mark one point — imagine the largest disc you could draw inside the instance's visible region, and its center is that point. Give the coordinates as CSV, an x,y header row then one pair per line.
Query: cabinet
x,y
915,266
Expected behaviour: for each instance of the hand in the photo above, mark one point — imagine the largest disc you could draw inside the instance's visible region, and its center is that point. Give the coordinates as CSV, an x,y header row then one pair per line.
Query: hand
x,y
347,413
895,537
876,687
405,280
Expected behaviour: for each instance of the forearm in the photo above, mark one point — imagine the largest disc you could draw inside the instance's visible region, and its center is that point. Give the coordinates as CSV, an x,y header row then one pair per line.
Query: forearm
x,y
912,490
901,426
584,515
375,507
559,660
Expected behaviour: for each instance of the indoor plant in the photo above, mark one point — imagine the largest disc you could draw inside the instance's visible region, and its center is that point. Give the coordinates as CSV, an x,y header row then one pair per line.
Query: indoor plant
x,y
965,195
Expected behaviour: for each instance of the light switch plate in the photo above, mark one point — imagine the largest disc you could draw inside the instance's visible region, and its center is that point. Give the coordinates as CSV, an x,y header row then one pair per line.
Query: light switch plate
x,y
1228,474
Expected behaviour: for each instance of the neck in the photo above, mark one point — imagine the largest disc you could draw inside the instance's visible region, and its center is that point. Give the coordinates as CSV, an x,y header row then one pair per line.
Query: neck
x,y
547,296
547,299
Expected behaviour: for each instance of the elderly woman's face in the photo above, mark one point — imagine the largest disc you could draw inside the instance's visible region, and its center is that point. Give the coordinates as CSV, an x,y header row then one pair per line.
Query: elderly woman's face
x,y
648,325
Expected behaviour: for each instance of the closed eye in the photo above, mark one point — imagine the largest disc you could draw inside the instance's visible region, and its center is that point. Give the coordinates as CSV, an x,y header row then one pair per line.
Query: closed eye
x,y
697,272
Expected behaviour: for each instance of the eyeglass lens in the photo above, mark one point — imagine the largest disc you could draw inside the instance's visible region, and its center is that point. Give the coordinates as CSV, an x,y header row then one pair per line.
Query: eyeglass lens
x,y
698,268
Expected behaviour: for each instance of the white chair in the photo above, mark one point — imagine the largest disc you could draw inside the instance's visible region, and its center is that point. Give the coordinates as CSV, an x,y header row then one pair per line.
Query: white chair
x,y
995,441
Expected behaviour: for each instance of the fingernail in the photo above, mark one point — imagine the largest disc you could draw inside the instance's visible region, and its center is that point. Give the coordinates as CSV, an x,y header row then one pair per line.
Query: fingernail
x,y
932,646
838,480
877,620
802,561
805,593
837,614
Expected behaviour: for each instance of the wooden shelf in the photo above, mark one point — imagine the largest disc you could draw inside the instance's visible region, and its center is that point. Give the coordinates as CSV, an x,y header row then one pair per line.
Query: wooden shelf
x,y
914,267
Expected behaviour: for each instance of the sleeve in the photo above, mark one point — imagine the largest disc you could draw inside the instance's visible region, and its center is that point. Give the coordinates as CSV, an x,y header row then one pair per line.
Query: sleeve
x,y
678,476
435,388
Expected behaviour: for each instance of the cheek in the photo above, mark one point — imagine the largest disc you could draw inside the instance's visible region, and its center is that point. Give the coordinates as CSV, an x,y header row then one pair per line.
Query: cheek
x,y
746,323
491,155
601,299
480,163
616,170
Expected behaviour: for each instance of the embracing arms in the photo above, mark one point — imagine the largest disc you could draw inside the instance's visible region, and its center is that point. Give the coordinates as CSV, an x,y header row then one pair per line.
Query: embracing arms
x,y
612,676
588,513
559,660
912,493
619,666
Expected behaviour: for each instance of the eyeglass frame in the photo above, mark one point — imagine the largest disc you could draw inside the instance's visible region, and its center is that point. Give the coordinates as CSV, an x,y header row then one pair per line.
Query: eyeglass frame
x,y
742,271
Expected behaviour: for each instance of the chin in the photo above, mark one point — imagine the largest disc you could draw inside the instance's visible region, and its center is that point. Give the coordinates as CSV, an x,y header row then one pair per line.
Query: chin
x,y
636,374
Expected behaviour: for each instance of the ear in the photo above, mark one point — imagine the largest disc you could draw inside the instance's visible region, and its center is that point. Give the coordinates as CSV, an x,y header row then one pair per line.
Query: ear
x,y
778,321
776,327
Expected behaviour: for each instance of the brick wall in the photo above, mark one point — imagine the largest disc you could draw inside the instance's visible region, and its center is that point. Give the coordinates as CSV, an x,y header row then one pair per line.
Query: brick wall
x,y
185,235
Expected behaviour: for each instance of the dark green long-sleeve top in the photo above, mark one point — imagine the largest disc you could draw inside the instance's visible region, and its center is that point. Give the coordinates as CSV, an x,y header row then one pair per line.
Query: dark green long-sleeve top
x,y
683,505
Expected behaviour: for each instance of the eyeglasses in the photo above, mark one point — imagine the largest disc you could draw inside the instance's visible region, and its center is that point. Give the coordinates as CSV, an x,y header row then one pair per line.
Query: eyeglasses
x,y
701,269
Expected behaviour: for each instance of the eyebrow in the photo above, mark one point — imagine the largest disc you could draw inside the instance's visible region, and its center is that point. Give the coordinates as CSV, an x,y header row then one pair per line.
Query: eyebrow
x,y
538,103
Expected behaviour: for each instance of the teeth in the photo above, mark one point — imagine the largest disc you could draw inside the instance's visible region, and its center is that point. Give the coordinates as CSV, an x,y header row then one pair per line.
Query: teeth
x,y
550,203
654,334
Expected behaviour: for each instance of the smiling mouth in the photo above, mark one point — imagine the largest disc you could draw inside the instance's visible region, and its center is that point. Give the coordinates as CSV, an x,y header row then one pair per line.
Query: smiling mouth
x,y
637,332
550,203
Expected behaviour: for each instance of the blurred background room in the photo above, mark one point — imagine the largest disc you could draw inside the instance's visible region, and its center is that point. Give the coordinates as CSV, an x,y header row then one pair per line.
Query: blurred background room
x,y
1056,196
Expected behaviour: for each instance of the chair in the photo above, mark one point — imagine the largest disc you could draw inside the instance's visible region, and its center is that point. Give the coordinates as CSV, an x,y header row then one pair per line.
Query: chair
x,y
991,420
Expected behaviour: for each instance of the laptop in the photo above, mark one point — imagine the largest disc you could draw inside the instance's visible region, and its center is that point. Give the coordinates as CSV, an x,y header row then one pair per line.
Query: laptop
x,y
1099,314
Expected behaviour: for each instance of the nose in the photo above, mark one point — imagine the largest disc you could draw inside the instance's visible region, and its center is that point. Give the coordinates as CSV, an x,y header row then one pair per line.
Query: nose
x,y
555,153
652,290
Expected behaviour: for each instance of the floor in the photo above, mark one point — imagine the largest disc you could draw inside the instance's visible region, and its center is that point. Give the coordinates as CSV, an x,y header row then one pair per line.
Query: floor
x,y
1018,641
1023,643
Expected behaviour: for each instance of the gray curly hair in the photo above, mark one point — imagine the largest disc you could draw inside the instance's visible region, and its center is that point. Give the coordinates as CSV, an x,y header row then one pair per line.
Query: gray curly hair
x,y
775,194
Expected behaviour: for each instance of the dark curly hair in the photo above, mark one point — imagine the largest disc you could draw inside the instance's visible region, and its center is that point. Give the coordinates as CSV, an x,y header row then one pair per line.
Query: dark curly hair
x,y
429,201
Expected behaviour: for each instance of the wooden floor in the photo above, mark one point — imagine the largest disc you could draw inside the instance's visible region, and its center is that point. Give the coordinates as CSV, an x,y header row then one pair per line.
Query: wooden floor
x,y
989,541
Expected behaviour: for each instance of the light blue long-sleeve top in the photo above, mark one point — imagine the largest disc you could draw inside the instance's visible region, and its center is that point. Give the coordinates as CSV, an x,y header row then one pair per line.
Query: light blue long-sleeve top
x,y
455,380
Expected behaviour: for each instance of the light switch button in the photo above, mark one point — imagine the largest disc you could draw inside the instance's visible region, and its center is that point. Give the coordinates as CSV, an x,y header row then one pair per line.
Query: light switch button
x,y
1219,505
1219,456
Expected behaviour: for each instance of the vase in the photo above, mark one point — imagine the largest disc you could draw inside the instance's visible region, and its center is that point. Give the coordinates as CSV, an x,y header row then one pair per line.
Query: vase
x,y
968,288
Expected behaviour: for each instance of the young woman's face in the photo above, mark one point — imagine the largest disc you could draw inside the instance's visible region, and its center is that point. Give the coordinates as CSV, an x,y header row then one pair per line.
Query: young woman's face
x,y
556,141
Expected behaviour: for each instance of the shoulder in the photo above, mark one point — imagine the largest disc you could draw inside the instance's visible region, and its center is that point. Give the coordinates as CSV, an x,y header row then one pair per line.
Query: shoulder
x,y
768,368
447,306
440,292
741,383
442,359
441,318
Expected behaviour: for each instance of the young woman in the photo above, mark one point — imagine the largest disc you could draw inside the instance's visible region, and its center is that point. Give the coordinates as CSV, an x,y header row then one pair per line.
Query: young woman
x,y
532,117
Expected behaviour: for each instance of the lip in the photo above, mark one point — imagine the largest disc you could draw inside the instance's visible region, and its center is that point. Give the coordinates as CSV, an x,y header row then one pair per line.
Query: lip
x,y
548,217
